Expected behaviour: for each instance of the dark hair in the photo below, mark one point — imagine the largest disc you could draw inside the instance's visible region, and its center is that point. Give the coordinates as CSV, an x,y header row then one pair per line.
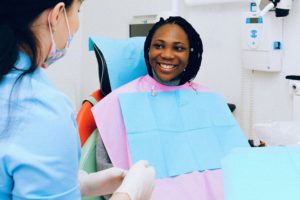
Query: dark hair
x,y
16,19
195,43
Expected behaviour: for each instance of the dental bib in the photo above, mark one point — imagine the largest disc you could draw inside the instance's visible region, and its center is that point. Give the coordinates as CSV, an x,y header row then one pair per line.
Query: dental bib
x,y
179,131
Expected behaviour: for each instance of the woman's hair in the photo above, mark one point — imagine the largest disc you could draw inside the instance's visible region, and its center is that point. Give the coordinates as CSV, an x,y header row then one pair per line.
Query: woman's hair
x,y
16,18
195,43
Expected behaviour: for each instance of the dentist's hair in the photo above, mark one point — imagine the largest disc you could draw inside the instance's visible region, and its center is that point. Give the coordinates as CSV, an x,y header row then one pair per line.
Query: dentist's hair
x,y
195,43
16,18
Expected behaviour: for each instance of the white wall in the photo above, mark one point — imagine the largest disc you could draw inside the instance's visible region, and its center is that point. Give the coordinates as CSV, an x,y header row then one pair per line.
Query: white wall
x,y
219,26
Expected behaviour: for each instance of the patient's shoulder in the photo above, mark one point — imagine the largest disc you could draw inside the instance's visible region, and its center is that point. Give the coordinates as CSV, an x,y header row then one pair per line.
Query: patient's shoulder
x,y
132,86
199,87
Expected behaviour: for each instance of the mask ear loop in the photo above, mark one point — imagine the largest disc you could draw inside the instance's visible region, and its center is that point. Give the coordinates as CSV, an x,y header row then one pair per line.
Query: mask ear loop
x,y
68,26
67,21
51,32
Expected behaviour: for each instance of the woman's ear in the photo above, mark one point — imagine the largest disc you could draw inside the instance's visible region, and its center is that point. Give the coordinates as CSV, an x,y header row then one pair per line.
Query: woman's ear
x,y
55,15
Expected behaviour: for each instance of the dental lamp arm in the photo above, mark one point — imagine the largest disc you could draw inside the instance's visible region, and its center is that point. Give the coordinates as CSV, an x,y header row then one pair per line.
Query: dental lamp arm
x,y
267,8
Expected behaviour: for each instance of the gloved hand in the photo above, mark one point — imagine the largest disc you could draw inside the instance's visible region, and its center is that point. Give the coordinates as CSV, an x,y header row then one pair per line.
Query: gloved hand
x,y
139,181
101,182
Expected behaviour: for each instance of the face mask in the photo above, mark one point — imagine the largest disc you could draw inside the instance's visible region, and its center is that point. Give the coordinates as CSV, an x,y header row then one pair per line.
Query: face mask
x,y
56,53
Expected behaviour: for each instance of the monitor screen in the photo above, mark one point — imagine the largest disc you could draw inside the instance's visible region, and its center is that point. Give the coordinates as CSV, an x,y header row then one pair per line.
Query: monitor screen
x,y
136,30
254,20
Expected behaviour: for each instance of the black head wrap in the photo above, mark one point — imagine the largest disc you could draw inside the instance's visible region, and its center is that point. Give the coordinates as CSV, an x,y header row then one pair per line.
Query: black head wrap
x,y
195,43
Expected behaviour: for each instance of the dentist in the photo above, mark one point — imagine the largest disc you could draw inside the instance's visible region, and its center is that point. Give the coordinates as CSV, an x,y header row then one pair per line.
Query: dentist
x,y
39,143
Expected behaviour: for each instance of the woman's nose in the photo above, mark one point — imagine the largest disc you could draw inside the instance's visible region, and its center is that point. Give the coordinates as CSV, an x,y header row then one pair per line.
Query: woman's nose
x,y
167,53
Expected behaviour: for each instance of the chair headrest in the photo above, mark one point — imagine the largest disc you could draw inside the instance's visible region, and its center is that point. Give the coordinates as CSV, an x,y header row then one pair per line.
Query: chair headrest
x,y
124,59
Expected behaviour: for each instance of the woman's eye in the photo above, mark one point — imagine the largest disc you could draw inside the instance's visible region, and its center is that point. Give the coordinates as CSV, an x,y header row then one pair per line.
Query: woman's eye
x,y
78,10
158,46
179,48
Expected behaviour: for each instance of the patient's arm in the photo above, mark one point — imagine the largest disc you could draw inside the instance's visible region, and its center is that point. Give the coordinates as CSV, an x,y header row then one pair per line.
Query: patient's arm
x,y
102,158
120,196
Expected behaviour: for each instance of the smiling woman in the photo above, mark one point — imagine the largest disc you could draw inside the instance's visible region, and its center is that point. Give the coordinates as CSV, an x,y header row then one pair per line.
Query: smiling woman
x,y
169,52
173,51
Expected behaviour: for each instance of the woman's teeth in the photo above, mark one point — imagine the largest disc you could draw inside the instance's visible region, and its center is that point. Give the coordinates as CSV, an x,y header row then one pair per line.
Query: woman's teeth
x,y
167,66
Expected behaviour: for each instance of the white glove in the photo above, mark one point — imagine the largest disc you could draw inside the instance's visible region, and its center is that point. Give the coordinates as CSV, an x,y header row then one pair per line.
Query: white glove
x,y
100,183
139,181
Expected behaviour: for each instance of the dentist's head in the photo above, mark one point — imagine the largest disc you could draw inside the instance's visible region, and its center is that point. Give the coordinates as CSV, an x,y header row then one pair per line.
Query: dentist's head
x,y
41,29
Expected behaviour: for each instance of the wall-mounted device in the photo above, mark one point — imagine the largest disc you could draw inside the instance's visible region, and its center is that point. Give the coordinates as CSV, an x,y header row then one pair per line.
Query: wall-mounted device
x,y
207,2
261,41
141,24
294,90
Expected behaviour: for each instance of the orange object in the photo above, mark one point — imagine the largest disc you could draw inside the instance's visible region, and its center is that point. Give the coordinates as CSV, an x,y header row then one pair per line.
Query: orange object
x,y
85,120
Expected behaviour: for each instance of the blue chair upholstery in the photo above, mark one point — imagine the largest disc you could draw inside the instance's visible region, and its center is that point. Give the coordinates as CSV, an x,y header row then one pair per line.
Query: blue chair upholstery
x,y
119,60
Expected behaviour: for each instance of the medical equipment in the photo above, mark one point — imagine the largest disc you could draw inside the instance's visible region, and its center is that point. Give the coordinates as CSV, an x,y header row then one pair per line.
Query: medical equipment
x,y
294,90
203,2
281,7
270,4
141,24
261,40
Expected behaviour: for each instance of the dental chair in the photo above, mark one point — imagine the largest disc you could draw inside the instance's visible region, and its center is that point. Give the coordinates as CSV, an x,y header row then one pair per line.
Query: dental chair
x,y
86,124
87,128
88,136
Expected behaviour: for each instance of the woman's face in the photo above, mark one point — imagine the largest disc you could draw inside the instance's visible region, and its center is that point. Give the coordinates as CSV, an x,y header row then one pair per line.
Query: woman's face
x,y
169,51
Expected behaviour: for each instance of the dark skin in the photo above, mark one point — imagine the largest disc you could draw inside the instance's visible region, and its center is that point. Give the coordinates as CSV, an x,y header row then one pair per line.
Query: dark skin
x,y
169,51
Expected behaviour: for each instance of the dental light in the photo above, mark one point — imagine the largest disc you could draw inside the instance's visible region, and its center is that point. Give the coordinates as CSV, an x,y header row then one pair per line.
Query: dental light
x,y
281,7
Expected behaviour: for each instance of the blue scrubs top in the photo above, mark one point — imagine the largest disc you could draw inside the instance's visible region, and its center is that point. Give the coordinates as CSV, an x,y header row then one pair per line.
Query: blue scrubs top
x,y
39,143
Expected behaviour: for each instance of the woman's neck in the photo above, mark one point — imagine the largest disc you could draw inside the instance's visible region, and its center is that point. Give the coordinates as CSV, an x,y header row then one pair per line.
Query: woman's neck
x,y
174,82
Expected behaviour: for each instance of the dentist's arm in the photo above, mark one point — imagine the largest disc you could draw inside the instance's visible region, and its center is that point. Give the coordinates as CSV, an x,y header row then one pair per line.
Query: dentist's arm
x,y
100,183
